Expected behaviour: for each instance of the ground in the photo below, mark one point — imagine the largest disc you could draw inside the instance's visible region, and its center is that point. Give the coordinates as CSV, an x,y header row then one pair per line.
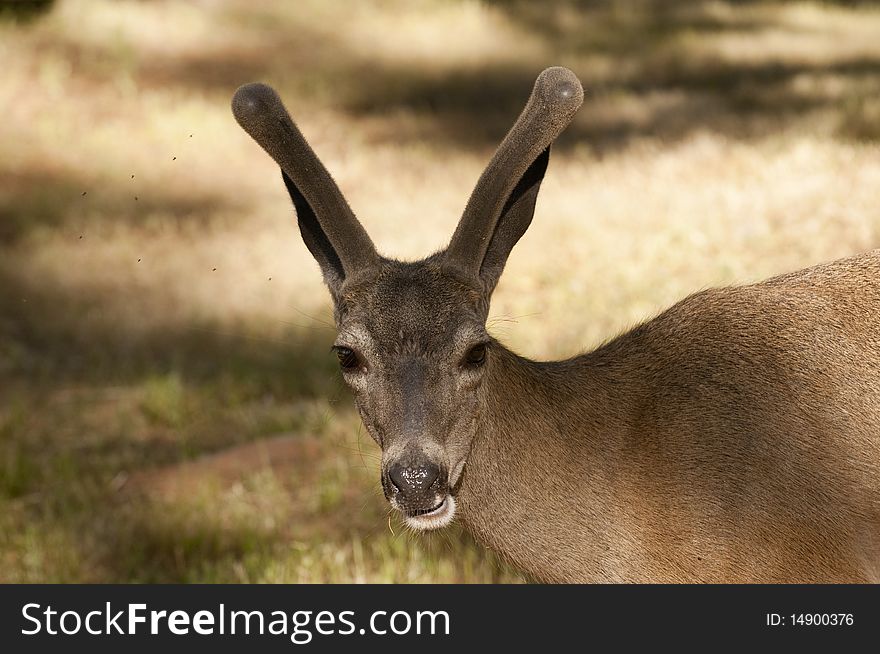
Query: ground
x,y
169,408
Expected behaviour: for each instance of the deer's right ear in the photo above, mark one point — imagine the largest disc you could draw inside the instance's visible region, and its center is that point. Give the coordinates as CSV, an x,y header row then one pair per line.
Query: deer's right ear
x,y
328,226
315,238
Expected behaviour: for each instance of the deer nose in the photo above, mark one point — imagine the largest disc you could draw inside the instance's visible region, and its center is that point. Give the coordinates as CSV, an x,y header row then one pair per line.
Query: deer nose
x,y
413,480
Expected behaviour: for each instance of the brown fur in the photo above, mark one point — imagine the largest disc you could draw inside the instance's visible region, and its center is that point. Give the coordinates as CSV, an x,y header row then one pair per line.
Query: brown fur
x,y
735,437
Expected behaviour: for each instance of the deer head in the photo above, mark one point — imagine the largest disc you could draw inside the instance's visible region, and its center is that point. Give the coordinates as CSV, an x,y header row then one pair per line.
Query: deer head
x,y
412,340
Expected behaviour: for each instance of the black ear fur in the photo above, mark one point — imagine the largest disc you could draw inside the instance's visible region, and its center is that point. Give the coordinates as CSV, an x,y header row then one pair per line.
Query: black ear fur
x,y
315,238
514,220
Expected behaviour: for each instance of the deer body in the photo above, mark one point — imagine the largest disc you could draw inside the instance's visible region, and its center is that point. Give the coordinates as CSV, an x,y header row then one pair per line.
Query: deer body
x,y
664,457
733,438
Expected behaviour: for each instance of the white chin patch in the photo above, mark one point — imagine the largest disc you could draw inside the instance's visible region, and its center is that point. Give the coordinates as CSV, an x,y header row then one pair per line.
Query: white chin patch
x,y
439,517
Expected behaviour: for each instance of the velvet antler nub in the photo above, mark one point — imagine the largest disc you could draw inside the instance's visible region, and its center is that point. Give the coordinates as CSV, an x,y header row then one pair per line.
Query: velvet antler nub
x,y
555,98
260,112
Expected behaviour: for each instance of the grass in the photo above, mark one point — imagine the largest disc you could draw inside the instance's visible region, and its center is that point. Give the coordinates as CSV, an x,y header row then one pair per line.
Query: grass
x,y
168,407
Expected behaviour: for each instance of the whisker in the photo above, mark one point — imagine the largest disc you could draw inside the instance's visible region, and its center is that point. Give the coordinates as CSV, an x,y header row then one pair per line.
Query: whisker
x,y
301,326
359,448
511,319
318,320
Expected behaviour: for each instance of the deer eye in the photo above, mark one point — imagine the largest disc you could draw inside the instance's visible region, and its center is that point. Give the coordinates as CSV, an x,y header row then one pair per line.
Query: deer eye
x,y
348,358
476,356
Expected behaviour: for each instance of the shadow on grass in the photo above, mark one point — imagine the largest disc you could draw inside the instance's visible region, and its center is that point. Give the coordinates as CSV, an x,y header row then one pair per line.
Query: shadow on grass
x,y
740,102
87,403
32,199
23,11
51,335
620,50
473,105
84,390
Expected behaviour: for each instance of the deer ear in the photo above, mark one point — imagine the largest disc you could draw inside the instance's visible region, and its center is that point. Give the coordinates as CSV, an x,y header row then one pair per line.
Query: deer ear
x,y
502,203
329,227
515,218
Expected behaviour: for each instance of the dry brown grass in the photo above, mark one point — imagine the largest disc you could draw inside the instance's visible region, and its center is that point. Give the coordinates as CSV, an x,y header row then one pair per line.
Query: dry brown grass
x,y
139,229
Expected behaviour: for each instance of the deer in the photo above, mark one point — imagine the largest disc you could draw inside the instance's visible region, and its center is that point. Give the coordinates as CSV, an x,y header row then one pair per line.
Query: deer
x,y
734,437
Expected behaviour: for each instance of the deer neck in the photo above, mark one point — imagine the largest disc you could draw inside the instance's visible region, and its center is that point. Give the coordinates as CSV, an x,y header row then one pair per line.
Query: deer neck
x,y
538,478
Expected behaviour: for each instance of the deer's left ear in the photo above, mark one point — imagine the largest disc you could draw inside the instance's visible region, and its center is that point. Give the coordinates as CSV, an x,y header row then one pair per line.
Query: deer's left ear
x,y
501,206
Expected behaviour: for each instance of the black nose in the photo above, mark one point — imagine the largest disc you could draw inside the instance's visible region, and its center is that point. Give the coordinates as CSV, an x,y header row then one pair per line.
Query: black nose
x,y
413,480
